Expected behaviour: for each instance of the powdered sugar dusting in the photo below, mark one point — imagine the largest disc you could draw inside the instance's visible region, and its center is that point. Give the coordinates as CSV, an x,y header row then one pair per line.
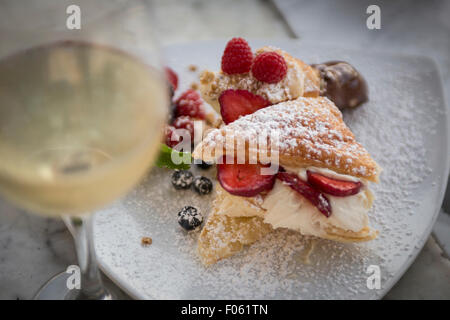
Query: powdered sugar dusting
x,y
308,129
396,126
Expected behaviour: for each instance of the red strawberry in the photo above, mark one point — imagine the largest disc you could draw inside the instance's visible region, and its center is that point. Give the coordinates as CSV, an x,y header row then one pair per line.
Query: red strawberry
x,y
244,180
184,122
237,57
171,77
338,188
190,104
269,67
236,103
317,198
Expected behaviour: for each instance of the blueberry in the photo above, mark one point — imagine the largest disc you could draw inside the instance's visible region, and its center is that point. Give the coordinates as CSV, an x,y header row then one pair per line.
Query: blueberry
x,y
204,165
202,185
182,179
190,218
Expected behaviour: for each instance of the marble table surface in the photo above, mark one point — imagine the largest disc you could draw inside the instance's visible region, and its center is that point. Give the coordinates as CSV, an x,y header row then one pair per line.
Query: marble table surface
x,y
33,248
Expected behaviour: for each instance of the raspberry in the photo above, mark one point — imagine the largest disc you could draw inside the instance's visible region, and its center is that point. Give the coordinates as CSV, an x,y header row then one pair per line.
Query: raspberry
x,y
269,67
171,137
184,122
237,57
190,104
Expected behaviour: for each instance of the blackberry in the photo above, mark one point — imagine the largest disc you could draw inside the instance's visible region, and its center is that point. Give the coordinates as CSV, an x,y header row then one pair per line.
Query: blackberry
x,y
204,165
182,179
202,185
190,218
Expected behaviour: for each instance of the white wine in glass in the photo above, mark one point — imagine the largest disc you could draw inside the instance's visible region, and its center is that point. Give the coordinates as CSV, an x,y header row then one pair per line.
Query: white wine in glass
x,y
80,123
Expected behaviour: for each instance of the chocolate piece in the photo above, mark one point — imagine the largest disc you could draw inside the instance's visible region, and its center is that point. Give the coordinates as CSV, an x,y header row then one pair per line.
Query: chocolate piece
x,y
342,84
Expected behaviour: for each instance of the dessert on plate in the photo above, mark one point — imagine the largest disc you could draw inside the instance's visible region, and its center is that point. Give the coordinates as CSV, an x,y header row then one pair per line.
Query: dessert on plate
x,y
321,187
302,168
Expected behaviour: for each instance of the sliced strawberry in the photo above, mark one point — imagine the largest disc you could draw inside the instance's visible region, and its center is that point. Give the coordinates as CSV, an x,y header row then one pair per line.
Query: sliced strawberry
x,y
244,180
171,77
338,188
236,103
318,199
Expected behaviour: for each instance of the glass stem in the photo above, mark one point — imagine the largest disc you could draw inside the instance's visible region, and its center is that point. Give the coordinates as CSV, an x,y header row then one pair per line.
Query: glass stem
x,y
91,282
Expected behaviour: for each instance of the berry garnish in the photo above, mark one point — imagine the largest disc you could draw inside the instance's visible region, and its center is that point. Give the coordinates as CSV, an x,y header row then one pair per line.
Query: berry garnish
x,y
171,77
204,165
190,218
182,179
171,137
244,180
237,57
190,104
338,188
202,185
184,122
269,67
236,103
318,199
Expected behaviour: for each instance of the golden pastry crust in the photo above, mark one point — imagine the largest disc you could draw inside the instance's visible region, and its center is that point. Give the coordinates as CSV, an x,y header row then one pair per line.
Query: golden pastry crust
x,y
312,80
348,236
311,132
230,227
223,236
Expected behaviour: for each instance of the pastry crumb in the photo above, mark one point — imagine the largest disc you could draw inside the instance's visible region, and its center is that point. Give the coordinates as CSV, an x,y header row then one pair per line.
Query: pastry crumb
x,y
207,77
146,241
192,67
194,86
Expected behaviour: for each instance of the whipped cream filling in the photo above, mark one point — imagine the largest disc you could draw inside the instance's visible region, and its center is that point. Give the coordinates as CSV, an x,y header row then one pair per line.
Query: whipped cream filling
x,y
286,208
283,207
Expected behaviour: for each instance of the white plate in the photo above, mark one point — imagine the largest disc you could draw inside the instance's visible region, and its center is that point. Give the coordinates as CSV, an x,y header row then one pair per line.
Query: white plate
x,y
405,128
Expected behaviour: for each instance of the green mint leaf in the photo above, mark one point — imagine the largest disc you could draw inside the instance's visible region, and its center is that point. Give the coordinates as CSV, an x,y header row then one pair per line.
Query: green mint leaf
x,y
165,159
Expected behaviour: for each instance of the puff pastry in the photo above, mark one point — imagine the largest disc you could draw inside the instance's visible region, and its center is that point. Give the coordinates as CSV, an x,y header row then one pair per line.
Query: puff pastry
x,y
312,136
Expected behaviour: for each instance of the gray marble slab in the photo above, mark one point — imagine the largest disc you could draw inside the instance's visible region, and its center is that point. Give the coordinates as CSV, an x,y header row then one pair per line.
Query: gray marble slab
x,y
32,250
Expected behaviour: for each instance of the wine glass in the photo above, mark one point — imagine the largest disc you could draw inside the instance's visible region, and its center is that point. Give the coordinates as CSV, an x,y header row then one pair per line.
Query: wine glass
x,y
83,100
